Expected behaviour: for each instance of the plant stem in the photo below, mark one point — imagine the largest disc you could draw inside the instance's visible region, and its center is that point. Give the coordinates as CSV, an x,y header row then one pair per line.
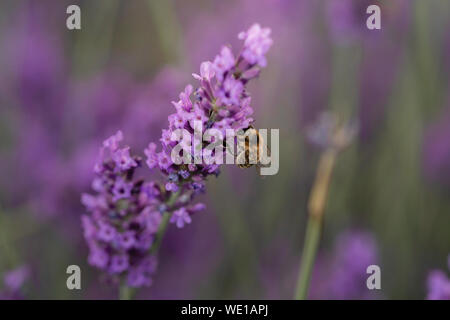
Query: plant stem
x,y
164,224
313,231
167,29
161,231
125,292
316,208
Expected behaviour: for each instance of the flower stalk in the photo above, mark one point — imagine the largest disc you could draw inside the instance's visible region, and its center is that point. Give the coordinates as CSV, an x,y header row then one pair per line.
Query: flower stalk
x,y
316,207
128,216
333,136
163,225
125,292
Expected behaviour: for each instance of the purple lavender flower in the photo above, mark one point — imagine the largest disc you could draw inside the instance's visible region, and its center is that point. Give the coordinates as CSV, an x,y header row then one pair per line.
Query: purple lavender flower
x,y
223,62
220,102
354,253
206,72
13,282
437,149
342,275
181,217
14,279
125,213
231,92
257,43
438,285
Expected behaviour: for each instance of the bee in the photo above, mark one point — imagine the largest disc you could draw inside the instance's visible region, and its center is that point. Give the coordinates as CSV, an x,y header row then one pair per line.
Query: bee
x,y
249,155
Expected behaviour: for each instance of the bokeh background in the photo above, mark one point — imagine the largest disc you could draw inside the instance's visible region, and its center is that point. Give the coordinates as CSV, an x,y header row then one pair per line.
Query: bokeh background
x,y
62,92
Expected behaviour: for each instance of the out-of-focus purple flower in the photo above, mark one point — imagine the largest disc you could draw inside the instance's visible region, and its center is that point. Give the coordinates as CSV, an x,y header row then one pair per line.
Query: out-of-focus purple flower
x,y
257,42
206,72
231,92
171,186
119,263
15,279
354,252
223,62
35,65
438,286
342,275
13,282
140,276
122,223
121,189
180,217
437,150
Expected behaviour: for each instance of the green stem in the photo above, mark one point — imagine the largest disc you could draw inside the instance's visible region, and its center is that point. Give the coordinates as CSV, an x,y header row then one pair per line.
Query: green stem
x,y
167,29
125,292
92,49
316,208
160,234
164,224
313,231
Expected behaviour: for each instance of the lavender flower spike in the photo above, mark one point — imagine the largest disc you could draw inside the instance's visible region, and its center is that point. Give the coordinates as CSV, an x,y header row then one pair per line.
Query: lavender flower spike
x,y
438,285
123,218
220,101
128,216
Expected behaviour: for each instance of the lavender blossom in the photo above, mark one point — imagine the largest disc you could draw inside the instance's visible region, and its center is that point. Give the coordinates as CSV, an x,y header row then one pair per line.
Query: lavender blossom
x,y
342,275
124,216
221,101
437,149
126,213
438,285
354,253
13,282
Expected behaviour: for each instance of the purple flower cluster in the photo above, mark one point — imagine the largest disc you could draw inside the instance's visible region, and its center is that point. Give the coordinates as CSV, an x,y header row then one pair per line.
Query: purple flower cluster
x,y
126,213
355,251
13,281
342,274
220,102
124,216
438,285
436,149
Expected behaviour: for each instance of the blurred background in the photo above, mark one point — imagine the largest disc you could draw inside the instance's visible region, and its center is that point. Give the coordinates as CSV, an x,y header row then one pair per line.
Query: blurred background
x,y
64,91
